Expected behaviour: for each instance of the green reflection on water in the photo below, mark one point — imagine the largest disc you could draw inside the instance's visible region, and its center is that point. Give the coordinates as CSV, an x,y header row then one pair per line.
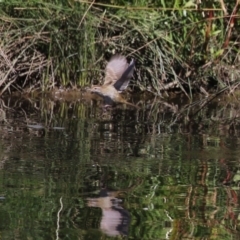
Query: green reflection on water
x,y
173,185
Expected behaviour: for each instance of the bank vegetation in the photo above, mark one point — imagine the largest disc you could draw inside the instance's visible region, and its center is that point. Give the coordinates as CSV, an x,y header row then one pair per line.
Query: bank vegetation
x,y
190,46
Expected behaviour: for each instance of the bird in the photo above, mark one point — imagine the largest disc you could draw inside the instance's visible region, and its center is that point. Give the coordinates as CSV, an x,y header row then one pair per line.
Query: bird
x,y
117,77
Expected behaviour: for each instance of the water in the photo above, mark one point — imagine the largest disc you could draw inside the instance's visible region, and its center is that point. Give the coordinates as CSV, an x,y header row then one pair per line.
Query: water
x,y
72,171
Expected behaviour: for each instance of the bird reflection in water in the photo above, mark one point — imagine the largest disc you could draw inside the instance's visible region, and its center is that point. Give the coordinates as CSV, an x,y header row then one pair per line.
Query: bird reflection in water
x,y
115,220
117,77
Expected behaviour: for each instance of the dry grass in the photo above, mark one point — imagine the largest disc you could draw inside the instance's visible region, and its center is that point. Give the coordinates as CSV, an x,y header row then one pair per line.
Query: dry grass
x,y
47,45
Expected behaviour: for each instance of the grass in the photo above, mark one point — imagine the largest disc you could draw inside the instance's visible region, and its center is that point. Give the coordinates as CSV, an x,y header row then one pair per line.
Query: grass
x,y
188,47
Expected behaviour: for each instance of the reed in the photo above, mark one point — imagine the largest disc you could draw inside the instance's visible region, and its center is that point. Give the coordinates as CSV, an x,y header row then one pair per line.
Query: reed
x,y
42,45
186,46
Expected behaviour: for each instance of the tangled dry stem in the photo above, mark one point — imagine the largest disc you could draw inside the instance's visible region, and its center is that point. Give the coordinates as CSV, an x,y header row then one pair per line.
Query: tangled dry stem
x,y
20,61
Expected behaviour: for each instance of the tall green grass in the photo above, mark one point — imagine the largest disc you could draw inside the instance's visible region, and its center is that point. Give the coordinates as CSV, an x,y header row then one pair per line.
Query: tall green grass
x,y
44,45
177,45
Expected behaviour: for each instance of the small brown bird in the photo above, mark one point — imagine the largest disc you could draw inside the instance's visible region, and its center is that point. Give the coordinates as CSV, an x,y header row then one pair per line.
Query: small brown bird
x,y
117,77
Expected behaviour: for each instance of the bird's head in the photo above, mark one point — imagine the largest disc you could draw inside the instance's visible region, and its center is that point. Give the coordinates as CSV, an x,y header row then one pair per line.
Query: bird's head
x,y
96,89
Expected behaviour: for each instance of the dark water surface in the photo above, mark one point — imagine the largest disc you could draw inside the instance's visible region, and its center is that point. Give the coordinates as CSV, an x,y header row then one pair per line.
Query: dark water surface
x,y
72,171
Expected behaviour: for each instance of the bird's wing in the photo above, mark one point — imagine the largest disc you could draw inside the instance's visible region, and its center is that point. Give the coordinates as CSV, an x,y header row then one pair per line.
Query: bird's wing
x,y
115,69
108,101
122,83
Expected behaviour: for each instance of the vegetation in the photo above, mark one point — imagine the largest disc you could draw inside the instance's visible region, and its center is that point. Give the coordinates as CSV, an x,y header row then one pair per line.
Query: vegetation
x,y
178,178
188,45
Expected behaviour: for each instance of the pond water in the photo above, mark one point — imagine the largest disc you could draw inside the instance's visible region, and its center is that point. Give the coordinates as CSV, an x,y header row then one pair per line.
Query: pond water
x,y
74,171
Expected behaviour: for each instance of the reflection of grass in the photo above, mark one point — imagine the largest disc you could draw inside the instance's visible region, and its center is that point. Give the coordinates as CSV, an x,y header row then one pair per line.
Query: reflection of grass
x,y
169,177
155,116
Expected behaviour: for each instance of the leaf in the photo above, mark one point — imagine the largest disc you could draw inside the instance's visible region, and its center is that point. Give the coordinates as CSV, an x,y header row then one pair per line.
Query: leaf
x,y
190,4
